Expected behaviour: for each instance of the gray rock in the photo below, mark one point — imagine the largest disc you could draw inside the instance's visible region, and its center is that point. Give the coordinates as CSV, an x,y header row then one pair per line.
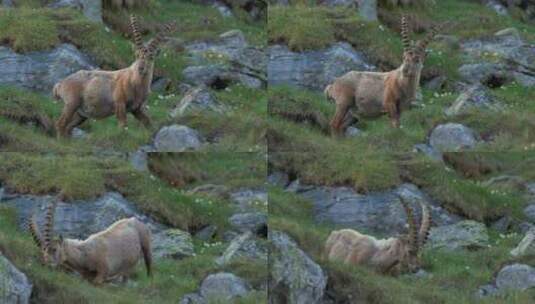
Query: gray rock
x,y
162,84
313,69
192,298
529,212
223,286
207,233
295,278
219,191
247,199
474,97
378,213
239,62
177,138
465,234
83,218
244,246
503,224
7,3
485,73
251,221
223,9
333,3
14,285
138,159
452,137
353,132
436,84
497,7
39,71
92,9
451,41
78,133
368,9
278,178
487,290
198,100
172,243
526,246
516,276
506,182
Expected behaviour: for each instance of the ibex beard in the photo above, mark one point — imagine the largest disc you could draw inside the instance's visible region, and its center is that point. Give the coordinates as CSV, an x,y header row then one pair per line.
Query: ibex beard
x,y
372,94
103,256
388,256
99,94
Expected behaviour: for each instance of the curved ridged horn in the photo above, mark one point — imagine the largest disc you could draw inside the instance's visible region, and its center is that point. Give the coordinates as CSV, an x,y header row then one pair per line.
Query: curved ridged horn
x,y
405,34
425,225
34,231
155,42
413,235
422,44
136,35
49,225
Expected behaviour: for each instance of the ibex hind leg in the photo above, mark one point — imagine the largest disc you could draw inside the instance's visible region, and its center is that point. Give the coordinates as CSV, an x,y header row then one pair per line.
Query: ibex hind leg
x,y
77,120
69,109
142,116
337,123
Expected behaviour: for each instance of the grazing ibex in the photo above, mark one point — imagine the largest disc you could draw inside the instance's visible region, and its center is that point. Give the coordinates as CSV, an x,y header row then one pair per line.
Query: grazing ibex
x,y
99,94
371,94
103,256
389,256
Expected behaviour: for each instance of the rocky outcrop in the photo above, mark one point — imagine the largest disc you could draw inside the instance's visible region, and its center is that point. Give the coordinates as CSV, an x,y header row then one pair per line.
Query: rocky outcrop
x,y
499,59
81,219
196,101
236,62
39,71
177,138
313,69
294,277
452,137
465,234
14,285
379,213
475,97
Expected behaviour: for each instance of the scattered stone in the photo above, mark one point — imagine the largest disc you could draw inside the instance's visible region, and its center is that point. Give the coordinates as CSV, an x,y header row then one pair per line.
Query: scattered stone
x,y
295,278
162,84
15,287
278,178
78,133
429,151
244,246
247,199
497,7
516,276
198,100
223,286
529,212
219,191
353,132
207,233
177,138
436,84
506,182
224,10
526,246
474,97
465,234
39,71
251,221
452,137
368,9
313,69
172,243
92,9
138,159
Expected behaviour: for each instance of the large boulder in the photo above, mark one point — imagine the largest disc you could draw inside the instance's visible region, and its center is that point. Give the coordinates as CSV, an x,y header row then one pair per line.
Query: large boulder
x,y
92,9
294,277
83,218
39,71
14,285
313,69
177,138
516,276
236,62
465,234
452,137
380,213
499,59
474,97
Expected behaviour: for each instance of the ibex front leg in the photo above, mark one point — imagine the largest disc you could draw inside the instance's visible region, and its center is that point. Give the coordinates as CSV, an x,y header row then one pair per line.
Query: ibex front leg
x,y
120,112
141,115
392,107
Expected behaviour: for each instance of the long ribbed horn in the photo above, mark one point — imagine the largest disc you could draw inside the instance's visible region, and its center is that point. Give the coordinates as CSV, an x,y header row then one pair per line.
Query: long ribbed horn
x,y
155,42
136,35
425,225
405,34
413,241
34,231
422,44
49,225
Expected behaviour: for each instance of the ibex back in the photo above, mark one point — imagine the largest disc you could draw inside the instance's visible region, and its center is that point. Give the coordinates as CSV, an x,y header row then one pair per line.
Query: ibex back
x,y
99,94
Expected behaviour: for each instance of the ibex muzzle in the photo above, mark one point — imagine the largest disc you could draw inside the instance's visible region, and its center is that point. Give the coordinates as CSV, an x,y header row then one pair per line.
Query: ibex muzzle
x,y
103,256
99,94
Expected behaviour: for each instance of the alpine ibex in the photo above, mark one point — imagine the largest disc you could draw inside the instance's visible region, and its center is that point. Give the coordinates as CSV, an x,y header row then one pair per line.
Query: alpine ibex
x,y
371,94
103,256
389,256
100,94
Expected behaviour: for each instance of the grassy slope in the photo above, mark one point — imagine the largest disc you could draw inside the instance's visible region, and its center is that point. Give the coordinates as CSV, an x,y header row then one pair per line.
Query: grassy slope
x,y
299,144
87,177
242,128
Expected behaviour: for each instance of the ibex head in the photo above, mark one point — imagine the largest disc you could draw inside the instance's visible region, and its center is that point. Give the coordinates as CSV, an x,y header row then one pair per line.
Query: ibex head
x,y
145,53
409,245
414,52
52,249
